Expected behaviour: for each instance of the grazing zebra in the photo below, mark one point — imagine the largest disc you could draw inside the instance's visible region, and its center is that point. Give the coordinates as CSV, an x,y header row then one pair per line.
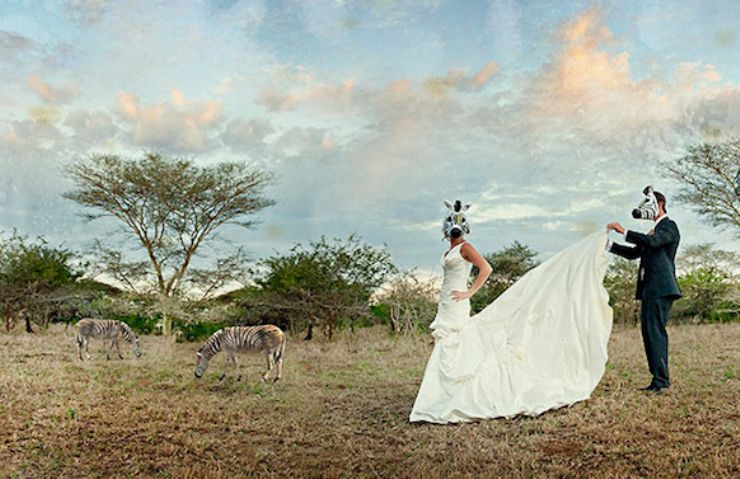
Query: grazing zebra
x,y
113,330
267,338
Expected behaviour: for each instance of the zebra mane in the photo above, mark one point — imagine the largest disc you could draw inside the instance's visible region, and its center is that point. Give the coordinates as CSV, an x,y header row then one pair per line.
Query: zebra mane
x,y
128,333
212,345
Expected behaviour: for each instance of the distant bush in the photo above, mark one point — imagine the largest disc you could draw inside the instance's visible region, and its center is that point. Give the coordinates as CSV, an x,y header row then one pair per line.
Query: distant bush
x,y
196,331
140,323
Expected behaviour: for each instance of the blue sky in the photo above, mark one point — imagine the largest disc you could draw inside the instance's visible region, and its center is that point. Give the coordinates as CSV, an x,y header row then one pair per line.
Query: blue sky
x,y
548,116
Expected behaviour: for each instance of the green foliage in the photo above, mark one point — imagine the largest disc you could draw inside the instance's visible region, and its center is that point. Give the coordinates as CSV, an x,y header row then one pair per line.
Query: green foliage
x,y
621,284
139,322
509,264
197,331
706,276
35,278
327,283
408,302
170,207
709,284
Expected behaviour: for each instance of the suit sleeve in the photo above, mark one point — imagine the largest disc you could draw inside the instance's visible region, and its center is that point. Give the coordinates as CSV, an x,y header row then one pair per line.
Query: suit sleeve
x,y
627,252
662,236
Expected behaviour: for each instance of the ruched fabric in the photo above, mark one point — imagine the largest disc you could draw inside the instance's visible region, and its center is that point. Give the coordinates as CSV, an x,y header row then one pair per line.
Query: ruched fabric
x,y
541,345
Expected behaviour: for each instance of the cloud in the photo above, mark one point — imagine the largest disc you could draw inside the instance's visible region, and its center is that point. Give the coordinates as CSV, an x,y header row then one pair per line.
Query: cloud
x,y
294,87
91,128
87,11
458,80
588,84
51,94
304,143
179,125
247,135
14,45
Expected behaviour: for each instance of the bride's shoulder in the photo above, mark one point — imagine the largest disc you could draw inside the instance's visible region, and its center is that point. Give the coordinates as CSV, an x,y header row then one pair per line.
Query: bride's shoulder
x,y
467,247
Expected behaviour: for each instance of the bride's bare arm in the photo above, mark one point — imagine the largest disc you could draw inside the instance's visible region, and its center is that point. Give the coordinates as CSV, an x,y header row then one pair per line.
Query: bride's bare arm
x,y
484,271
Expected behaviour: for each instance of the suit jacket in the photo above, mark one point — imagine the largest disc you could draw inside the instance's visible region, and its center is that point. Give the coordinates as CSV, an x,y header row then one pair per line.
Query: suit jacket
x,y
657,252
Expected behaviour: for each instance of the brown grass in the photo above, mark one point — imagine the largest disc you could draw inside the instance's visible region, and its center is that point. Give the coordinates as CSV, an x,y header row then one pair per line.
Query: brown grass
x,y
342,412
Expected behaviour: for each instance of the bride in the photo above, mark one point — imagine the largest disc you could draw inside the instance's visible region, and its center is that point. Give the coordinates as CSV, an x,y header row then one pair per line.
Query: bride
x,y
539,346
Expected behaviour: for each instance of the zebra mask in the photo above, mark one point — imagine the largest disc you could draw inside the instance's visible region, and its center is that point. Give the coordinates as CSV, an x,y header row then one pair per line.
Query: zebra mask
x,y
455,223
648,207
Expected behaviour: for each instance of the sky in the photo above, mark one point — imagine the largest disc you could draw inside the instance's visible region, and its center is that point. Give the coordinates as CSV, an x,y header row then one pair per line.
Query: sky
x,y
548,117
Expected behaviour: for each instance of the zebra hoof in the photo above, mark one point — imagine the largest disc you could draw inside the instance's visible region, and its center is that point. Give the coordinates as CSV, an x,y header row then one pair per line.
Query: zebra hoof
x,y
276,380
221,378
239,378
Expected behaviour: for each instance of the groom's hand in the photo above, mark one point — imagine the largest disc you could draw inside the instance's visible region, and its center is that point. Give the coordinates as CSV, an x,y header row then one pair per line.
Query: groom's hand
x,y
460,295
615,226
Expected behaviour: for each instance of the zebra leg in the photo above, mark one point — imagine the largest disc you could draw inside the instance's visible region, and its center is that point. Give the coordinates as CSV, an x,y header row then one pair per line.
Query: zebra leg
x,y
78,340
110,348
118,348
227,357
238,373
87,348
279,364
269,365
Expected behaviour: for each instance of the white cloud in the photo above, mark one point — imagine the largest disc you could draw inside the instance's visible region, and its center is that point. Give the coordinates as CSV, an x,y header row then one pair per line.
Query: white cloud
x,y
49,93
179,125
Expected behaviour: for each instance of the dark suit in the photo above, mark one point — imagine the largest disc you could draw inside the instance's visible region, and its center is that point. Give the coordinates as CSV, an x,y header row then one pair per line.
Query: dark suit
x,y
657,288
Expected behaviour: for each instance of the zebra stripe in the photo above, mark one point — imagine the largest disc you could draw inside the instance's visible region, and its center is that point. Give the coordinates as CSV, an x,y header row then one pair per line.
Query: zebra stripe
x,y
106,329
266,338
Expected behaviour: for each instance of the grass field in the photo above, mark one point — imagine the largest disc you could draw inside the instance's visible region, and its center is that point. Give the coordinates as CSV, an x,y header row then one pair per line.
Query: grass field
x,y
342,411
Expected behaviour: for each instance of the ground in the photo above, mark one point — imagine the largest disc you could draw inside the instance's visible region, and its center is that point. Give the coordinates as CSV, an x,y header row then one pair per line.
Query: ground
x,y
341,411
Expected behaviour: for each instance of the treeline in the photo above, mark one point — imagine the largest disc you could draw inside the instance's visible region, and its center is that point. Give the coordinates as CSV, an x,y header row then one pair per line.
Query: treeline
x,y
320,287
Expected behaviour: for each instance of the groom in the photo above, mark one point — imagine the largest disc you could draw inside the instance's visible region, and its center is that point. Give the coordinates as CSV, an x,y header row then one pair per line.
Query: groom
x,y
657,287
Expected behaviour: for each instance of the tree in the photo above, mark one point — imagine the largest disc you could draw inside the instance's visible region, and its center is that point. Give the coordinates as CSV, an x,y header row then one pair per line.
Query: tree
x,y
710,179
709,278
509,264
621,283
169,206
324,283
411,302
35,279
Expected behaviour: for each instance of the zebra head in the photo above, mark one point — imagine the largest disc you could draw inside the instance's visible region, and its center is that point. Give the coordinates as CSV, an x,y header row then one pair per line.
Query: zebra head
x,y
135,347
202,364
455,223
648,207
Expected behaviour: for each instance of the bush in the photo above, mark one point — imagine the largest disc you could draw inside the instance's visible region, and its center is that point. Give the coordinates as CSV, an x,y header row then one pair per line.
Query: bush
x,y
196,331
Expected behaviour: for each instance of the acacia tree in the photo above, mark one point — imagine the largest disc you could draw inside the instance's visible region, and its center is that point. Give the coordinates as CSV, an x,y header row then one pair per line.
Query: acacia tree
x,y
169,206
325,282
710,178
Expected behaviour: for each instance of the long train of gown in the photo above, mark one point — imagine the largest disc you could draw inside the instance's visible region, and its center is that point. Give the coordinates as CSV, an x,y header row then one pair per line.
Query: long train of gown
x,y
541,345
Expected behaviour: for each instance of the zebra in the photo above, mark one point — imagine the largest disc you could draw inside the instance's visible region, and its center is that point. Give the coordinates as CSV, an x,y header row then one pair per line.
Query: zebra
x,y
113,330
267,338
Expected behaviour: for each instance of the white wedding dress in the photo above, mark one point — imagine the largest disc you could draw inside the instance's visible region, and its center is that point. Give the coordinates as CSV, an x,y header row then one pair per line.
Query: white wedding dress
x,y
540,345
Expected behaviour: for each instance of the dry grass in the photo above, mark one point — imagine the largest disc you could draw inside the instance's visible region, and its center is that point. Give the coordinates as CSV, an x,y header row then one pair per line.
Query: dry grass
x,y
342,412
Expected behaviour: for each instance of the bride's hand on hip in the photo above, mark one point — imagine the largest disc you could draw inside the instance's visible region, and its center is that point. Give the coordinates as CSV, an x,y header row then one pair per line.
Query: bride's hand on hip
x,y
460,295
